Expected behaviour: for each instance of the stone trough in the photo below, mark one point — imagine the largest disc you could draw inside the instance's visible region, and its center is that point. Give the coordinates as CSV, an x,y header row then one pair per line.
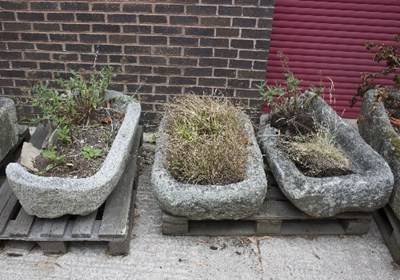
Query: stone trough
x,y
8,127
367,189
210,202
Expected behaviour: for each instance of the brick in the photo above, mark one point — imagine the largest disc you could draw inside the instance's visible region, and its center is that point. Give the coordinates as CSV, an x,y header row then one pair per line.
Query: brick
x,y
44,6
46,27
21,83
123,39
261,55
212,82
137,69
74,6
3,46
37,56
65,56
260,65
30,16
264,23
254,33
49,47
137,50
167,71
251,74
106,7
20,46
7,15
8,36
183,61
6,82
124,78
122,18
152,19
244,22
158,60
248,94
201,52
242,44
79,47
90,38
51,66
209,32
109,49
140,89
257,12
217,2
92,57
228,53
123,59
247,2
199,90
269,3
198,71
182,81
183,20
60,17
168,90
153,79
215,21
12,74
183,41
224,73
88,17
34,37
24,64
216,62
240,64
229,11
68,27
202,10
168,51
117,87
227,32
16,26
136,29
80,66
13,5
213,42
153,40
262,44
137,8
106,28
152,98
10,55
63,37
169,9
167,30
236,83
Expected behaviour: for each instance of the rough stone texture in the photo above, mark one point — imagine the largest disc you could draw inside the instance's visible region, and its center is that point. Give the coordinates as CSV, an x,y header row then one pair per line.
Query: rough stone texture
x,y
8,127
50,197
366,190
374,126
233,201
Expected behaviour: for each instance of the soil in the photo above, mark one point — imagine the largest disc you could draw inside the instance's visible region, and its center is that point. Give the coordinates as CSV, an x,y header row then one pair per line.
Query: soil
x,y
99,133
304,124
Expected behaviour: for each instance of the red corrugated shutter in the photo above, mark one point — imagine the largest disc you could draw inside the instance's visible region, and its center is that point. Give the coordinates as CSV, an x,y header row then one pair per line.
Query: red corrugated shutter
x,y
329,37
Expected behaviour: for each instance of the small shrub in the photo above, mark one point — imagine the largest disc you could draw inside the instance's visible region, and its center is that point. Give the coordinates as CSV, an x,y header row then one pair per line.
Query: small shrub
x,y
207,143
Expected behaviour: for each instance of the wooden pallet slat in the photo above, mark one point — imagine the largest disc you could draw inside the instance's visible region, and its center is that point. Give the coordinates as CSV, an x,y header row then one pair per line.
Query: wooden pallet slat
x,y
22,224
7,211
83,226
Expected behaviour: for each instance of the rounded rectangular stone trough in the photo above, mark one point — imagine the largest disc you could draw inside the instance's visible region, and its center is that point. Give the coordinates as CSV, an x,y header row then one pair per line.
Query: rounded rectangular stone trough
x,y
366,190
51,197
9,126
214,202
375,127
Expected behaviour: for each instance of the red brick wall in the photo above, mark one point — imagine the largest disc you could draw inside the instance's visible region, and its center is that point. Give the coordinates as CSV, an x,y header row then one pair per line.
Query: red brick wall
x,y
162,48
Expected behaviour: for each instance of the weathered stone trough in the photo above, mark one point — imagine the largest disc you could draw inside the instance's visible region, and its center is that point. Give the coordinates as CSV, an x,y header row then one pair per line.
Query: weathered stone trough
x,y
366,190
8,127
375,127
50,197
215,202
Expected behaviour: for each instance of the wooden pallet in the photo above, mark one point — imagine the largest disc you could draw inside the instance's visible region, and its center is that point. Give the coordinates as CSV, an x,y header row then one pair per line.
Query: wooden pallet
x,y
276,216
111,223
389,226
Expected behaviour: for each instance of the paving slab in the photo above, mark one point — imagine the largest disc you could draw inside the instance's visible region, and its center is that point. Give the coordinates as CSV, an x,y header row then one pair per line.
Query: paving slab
x,y
154,256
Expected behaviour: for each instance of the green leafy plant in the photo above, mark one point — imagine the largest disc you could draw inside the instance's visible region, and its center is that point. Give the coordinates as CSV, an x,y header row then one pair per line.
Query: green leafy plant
x,y
54,158
89,152
390,54
75,103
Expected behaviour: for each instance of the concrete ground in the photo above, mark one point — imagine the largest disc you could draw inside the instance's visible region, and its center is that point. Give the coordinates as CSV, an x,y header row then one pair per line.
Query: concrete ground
x,y
154,256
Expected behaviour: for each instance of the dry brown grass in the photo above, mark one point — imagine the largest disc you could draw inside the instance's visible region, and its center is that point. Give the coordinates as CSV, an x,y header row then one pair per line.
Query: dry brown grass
x,y
207,143
317,155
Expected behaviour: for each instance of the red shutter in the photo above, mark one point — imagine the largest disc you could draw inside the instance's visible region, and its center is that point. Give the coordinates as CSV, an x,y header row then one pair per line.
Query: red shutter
x,y
329,37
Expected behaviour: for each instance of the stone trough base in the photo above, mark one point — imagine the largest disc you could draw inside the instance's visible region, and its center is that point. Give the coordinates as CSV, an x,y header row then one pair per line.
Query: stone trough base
x,y
277,216
111,223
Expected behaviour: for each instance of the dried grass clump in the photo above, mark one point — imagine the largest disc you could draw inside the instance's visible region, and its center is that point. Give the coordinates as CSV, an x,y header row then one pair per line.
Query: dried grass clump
x,y
207,142
317,155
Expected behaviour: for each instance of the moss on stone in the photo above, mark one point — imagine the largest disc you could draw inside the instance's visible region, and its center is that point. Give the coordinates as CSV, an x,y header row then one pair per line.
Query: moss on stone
x,y
395,140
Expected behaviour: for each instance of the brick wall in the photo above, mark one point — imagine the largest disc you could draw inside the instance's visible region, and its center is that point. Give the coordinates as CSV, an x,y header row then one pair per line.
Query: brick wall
x,y
162,48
